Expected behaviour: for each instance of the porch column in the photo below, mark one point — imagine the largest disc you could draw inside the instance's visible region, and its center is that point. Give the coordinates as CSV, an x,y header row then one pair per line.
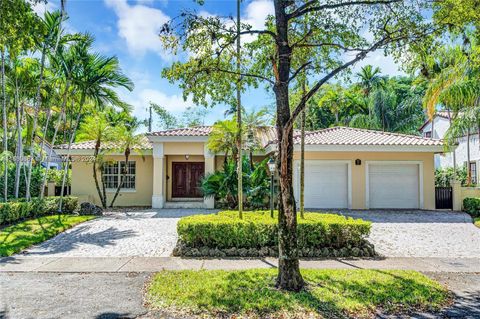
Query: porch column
x,y
158,197
209,202
457,196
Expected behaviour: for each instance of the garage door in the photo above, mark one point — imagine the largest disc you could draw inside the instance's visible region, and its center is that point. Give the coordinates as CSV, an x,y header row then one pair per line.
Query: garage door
x,y
326,184
393,185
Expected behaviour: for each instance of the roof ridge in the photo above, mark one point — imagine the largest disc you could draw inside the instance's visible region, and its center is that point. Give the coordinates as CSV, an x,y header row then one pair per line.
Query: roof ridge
x,y
384,132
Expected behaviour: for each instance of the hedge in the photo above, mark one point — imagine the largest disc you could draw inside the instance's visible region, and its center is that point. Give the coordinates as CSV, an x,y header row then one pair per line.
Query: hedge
x,y
472,206
257,230
21,209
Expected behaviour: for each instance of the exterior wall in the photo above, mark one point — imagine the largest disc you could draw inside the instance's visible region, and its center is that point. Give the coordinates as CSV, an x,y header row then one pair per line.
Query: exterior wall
x,y
83,184
359,171
178,158
460,193
183,148
220,158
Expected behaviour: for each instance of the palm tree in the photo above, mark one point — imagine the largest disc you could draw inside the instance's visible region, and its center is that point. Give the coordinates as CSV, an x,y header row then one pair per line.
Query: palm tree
x,y
370,79
333,99
126,141
98,129
254,124
223,138
94,77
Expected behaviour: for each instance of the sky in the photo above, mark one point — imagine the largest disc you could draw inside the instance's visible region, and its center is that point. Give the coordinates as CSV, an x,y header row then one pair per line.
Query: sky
x,y
129,30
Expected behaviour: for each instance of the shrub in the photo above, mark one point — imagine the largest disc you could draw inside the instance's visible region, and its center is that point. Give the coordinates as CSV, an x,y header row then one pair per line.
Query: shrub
x,y
444,176
21,209
472,206
258,230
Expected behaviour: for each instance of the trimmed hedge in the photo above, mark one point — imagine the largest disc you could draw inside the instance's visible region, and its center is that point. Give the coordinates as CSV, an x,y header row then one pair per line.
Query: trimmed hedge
x,y
472,206
225,231
20,209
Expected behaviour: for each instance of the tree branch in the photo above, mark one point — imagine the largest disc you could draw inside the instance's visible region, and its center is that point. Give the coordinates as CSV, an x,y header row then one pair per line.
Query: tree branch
x,y
308,7
303,66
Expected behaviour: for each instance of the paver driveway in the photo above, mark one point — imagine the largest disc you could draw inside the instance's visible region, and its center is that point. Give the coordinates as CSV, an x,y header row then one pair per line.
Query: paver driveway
x,y
151,233
146,233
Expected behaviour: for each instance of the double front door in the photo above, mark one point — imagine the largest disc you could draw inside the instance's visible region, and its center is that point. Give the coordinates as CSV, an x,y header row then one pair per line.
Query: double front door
x,y
186,177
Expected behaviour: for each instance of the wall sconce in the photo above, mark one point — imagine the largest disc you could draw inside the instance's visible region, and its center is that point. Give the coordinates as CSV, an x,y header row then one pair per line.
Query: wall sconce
x,y
187,157
358,162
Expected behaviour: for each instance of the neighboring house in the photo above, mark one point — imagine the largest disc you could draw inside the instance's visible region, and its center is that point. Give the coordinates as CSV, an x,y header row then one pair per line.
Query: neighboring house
x,y
441,123
344,168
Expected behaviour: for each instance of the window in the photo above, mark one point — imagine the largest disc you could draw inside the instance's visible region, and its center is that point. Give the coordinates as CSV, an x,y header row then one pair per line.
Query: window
x,y
428,134
113,171
473,172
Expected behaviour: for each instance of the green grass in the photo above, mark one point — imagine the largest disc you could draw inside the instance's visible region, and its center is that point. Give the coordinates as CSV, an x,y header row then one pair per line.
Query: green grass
x,y
330,293
24,234
476,221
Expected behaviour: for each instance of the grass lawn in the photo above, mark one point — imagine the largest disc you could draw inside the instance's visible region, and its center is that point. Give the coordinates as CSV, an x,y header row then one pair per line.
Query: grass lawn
x,y
329,294
476,221
19,236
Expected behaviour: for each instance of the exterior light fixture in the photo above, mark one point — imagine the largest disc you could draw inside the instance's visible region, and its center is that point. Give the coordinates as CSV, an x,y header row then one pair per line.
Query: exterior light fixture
x,y
271,165
187,157
358,162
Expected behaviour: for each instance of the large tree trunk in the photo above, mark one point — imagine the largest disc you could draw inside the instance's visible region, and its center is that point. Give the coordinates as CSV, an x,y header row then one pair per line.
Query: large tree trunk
x,y
4,119
289,277
469,173
239,123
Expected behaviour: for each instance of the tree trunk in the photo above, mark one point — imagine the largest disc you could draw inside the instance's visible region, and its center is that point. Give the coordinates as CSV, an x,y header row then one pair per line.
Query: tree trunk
x,y
4,118
19,148
239,123
289,277
302,166
469,173
57,126
124,174
72,138
94,172
36,105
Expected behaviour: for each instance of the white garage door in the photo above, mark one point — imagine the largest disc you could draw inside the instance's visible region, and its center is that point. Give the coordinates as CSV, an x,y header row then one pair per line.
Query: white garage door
x,y
326,184
393,185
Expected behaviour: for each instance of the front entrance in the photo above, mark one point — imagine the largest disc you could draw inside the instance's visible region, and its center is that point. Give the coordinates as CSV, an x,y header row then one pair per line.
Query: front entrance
x,y
186,178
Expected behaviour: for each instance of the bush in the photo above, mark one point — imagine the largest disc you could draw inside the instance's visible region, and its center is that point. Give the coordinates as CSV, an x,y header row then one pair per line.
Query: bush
x,y
20,209
258,230
472,206
445,176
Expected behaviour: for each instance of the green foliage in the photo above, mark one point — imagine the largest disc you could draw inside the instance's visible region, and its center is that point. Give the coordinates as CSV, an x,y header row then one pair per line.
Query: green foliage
x,y
13,211
472,206
35,183
258,229
167,120
444,176
56,176
17,237
252,293
223,184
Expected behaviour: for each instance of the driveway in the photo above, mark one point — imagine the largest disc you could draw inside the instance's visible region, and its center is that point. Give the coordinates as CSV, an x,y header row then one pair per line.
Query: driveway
x,y
152,233
422,233
146,233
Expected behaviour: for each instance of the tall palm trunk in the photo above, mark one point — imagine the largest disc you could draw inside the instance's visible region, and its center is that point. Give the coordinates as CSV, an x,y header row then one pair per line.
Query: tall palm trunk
x,y
469,173
302,157
36,105
101,192
239,122
4,111
69,147
57,126
454,150
19,149
124,174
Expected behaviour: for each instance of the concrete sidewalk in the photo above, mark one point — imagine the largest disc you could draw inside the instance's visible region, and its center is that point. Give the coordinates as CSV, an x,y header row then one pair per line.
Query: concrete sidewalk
x,y
154,264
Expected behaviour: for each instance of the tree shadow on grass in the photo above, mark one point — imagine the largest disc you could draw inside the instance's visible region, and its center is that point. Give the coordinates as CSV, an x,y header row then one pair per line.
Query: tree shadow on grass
x,y
338,294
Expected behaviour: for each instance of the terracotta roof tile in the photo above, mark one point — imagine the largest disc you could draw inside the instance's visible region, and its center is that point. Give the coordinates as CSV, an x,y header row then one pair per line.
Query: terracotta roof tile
x,y
355,136
90,145
187,131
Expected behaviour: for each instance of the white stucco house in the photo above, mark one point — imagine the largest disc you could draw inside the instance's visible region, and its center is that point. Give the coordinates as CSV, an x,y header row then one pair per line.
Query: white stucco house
x,y
441,123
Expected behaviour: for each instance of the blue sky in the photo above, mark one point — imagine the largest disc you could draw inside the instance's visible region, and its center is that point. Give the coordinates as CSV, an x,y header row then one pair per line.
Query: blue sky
x,y
128,29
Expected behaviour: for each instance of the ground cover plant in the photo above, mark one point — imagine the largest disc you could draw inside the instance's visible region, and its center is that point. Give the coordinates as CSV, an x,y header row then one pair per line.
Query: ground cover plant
x,y
20,209
16,238
472,206
225,234
328,293
476,221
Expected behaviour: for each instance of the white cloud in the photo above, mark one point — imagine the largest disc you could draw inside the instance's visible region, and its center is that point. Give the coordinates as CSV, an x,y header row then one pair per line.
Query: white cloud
x,y
386,63
41,7
257,12
139,26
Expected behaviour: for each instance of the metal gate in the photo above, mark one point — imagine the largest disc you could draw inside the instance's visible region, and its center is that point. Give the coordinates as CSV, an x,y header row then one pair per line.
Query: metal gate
x,y
443,198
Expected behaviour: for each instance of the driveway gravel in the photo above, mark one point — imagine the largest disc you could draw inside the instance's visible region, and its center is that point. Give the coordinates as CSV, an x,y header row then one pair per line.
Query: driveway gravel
x,y
152,233
146,233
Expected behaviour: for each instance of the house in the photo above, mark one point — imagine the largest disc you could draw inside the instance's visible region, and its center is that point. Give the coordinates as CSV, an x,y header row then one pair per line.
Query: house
x,y
344,168
441,124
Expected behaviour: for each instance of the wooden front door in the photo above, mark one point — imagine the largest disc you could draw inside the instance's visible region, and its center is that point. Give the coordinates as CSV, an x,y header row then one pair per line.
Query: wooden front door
x,y
186,178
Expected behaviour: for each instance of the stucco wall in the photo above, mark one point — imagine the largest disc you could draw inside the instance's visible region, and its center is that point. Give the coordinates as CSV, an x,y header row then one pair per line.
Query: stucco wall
x,y
83,184
359,171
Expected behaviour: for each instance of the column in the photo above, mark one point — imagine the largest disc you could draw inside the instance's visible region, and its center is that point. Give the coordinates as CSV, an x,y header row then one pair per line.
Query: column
x,y
457,195
158,197
209,202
